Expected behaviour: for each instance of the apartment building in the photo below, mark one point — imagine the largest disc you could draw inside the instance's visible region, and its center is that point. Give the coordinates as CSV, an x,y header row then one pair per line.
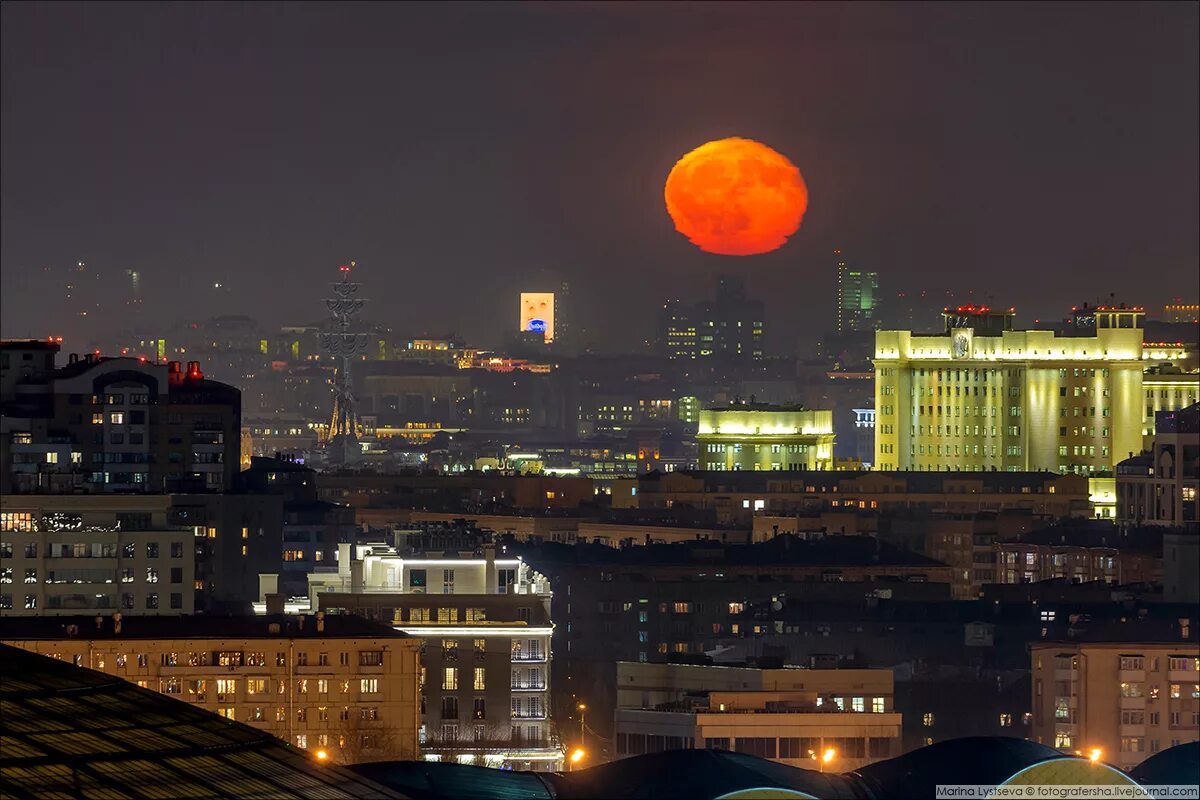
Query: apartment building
x,y
833,719
136,553
737,497
341,685
1129,688
1160,486
485,628
99,424
67,554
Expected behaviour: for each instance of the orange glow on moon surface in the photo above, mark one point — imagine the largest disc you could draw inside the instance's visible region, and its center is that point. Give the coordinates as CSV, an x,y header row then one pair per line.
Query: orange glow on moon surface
x,y
736,197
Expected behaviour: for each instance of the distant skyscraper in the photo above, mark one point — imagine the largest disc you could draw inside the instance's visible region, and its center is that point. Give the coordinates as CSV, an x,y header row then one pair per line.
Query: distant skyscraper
x,y
538,314
857,297
729,327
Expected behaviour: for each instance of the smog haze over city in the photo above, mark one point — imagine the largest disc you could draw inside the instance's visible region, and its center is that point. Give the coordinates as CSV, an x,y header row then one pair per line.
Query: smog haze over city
x,y
455,150
572,400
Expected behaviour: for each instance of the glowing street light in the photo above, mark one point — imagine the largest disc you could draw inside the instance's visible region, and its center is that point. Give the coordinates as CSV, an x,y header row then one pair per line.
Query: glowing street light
x,y
829,755
1095,754
577,755
322,755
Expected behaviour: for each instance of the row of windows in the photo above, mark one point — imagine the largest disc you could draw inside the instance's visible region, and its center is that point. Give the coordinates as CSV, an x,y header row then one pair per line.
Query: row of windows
x,y
964,450
1174,663
127,601
790,747
775,448
227,688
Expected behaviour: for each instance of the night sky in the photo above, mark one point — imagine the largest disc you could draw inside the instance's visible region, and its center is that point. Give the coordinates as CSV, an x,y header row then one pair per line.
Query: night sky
x,y
1039,155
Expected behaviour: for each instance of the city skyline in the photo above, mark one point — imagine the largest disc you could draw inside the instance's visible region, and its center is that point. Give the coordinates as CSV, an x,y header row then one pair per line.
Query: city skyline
x,y
713,400
390,151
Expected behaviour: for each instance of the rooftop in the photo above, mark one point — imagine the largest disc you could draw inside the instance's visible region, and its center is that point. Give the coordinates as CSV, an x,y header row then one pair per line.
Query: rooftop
x,y
193,627
781,550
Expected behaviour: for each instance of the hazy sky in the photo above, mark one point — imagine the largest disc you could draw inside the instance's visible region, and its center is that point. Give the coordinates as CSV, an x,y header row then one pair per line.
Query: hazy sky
x,y
1039,154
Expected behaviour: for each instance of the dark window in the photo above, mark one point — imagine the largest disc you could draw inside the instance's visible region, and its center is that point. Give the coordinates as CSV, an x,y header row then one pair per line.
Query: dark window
x,y
176,600
134,521
756,746
176,576
449,707
417,578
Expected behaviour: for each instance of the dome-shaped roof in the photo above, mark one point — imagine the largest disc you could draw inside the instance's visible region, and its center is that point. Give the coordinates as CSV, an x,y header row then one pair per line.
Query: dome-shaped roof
x,y
973,760
696,774
1175,765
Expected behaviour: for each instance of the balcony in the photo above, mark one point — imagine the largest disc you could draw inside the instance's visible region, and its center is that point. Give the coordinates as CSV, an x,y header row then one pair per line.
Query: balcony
x,y
527,657
1066,675
528,715
528,686
1131,703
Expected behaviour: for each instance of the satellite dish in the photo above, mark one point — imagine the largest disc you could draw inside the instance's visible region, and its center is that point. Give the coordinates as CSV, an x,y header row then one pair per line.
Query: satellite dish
x,y
776,605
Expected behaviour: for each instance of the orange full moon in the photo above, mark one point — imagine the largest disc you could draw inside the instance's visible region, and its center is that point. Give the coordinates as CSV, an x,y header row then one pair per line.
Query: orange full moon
x,y
736,197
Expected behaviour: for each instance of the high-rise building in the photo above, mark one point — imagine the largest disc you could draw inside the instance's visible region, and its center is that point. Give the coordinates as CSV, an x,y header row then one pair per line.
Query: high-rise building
x,y
984,396
1128,689
857,297
537,314
113,425
728,328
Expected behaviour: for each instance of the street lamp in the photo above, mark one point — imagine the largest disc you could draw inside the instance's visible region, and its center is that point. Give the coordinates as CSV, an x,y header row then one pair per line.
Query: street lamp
x,y
577,755
322,755
826,757
582,708
1095,754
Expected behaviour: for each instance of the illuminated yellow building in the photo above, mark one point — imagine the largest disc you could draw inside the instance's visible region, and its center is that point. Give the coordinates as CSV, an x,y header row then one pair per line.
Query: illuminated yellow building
x,y
982,396
757,436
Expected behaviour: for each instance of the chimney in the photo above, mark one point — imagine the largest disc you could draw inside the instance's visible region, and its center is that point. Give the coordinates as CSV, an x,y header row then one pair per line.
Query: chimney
x,y
274,603
117,623
193,371
174,373
99,622
489,569
320,622
300,623
73,358
343,557
356,575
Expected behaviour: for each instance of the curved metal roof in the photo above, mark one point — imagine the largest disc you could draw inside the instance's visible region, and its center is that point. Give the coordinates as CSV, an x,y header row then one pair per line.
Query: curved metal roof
x,y
972,760
1175,765
70,732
